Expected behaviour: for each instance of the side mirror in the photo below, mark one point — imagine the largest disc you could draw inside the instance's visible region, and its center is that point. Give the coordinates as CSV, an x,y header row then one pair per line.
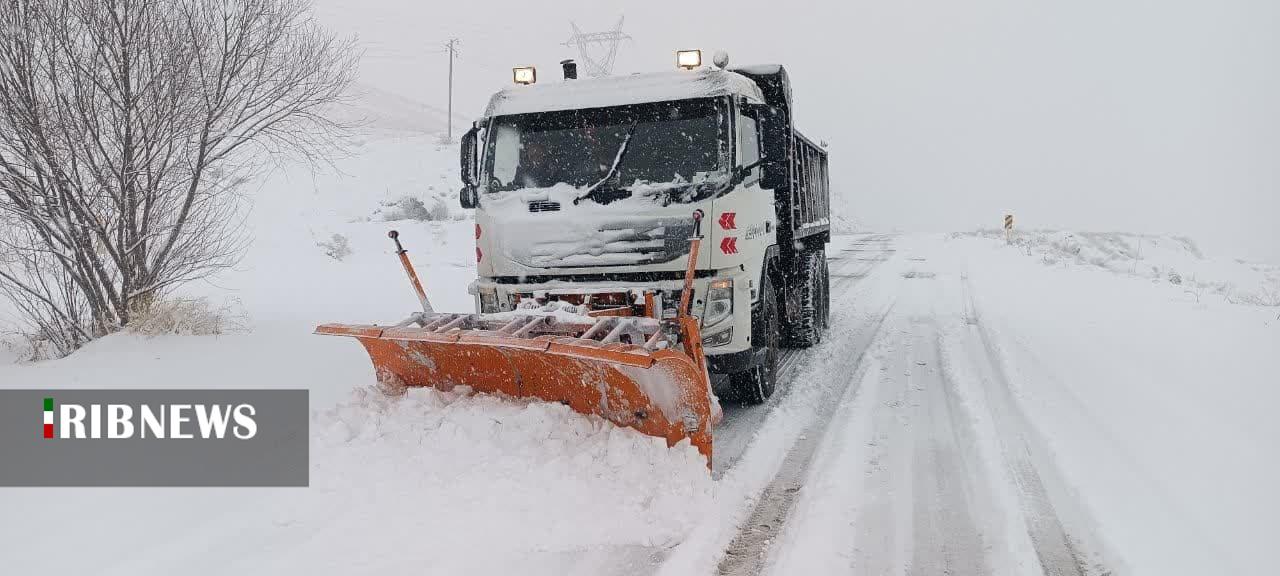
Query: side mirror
x,y
742,174
468,197
468,156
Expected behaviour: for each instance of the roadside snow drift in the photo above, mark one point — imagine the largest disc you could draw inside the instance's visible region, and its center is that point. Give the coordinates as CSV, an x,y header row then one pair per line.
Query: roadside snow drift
x,y
429,482
451,483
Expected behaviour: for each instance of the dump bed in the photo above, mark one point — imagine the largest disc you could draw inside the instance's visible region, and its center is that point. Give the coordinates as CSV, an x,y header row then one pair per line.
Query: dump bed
x,y
810,190
795,167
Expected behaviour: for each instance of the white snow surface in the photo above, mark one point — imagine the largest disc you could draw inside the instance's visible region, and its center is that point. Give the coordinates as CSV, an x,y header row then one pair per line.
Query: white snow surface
x,y
432,482
552,94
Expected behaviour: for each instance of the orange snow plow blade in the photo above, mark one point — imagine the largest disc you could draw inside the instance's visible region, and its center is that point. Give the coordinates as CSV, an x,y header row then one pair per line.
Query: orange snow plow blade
x,y
585,365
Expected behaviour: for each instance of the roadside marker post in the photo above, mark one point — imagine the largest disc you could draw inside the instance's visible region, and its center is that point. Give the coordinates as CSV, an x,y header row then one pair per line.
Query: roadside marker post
x,y
1008,228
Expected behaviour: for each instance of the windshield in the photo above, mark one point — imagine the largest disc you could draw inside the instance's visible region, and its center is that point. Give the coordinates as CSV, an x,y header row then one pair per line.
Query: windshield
x,y
674,143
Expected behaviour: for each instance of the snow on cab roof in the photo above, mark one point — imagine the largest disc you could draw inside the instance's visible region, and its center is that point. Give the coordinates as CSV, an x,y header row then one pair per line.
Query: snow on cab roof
x,y
622,90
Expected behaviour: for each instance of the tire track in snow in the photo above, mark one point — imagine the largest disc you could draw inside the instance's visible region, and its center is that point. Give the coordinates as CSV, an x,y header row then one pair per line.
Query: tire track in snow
x,y
849,266
916,503
746,553
1060,552
946,539
897,486
926,482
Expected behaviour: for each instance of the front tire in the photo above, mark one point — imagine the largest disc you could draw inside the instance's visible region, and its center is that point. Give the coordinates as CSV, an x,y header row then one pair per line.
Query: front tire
x,y
756,384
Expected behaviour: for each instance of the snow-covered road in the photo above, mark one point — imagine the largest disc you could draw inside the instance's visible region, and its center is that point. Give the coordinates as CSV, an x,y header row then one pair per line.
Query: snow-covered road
x,y
936,432
897,472
926,467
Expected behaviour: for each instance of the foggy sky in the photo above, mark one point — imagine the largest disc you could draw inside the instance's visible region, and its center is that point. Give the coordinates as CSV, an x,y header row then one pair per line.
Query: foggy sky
x,y
1102,115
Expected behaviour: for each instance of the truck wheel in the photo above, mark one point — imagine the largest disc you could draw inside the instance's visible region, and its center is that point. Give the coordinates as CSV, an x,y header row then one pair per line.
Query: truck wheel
x,y
806,331
756,384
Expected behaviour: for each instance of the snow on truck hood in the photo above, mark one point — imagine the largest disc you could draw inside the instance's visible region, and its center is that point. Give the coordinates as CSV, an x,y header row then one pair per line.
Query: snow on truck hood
x,y
629,231
622,90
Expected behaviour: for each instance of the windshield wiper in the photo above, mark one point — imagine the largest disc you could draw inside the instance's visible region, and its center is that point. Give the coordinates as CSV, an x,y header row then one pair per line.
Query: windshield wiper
x,y
613,170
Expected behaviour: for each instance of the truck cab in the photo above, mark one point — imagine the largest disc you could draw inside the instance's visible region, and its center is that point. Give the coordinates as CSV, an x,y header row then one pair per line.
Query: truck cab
x,y
586,190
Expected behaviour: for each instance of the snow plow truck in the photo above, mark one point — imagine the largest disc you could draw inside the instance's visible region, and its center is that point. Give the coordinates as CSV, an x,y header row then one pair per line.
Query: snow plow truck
x,y
638,239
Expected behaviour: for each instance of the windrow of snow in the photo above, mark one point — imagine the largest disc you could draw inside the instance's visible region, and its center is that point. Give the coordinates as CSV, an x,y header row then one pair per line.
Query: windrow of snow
x,y
426,483
442,482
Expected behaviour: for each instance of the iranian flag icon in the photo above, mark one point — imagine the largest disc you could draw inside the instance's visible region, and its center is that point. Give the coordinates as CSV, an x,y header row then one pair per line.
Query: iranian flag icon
x,y
48,417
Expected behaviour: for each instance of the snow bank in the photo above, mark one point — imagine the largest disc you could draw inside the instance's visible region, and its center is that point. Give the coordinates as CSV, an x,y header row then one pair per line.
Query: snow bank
x,y
1158,406
429,482
1175,260
454,483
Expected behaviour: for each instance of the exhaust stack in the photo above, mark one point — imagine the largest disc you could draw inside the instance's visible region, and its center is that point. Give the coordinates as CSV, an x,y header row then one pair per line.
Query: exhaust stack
x,y
570,69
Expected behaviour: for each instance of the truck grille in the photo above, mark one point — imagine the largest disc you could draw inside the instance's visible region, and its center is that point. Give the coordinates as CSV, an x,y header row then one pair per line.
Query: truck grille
x,y
613,243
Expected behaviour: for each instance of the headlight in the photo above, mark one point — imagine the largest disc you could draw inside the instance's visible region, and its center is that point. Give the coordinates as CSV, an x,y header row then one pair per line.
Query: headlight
x,y
719,302
524,75
719,338
689,59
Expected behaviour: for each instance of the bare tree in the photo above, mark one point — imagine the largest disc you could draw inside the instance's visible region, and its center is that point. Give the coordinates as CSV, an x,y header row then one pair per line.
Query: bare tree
x,y
127,130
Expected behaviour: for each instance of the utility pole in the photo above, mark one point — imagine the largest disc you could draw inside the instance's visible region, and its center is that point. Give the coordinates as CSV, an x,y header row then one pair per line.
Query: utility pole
x,y
452,48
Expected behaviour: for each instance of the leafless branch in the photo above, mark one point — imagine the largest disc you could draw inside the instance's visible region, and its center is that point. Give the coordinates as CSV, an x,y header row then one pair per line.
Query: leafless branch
x,y
128,129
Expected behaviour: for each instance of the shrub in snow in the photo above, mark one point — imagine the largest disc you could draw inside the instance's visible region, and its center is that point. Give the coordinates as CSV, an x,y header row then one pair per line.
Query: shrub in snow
x,y
188,316
1263,296
32,347
336,247
434,209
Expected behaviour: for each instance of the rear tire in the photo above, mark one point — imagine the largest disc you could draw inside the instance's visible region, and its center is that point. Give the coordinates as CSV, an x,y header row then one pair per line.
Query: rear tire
x,y
810,284
756,384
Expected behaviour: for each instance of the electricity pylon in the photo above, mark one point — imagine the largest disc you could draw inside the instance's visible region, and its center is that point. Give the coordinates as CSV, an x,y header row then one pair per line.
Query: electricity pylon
x,y
598,50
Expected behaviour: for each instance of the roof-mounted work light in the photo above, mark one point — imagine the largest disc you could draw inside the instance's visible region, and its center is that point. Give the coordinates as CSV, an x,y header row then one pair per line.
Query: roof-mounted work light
x,y
524,75
689,59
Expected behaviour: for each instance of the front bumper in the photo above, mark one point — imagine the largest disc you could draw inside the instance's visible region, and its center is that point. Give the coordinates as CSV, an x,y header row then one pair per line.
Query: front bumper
x,y
493,296
734,362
